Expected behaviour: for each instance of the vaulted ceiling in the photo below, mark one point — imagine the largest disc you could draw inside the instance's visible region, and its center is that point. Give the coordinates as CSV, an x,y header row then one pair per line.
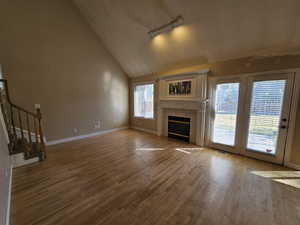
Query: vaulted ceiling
x,y
213,30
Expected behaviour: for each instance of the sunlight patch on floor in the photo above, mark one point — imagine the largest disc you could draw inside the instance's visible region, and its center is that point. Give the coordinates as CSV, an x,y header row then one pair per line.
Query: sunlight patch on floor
x,y
183,151
277,174
187,150
283,177
150,149
291,182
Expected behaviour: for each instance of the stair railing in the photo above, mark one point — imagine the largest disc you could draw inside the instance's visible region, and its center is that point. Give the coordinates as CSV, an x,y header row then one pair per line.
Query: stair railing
x,y
21,122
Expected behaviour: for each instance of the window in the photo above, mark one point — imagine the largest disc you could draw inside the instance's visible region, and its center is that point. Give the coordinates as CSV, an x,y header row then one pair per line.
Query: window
x,y
143,101
266,107
226,109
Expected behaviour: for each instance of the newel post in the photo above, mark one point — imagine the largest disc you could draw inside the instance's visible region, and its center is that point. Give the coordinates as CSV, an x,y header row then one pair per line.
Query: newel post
x,y
39,116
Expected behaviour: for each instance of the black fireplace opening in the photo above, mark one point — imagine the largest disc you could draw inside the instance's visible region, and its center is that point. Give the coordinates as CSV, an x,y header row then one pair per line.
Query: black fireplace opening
x,y
179,128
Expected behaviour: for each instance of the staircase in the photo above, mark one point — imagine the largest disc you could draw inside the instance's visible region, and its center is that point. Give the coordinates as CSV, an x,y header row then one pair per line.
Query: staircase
x,y
23,127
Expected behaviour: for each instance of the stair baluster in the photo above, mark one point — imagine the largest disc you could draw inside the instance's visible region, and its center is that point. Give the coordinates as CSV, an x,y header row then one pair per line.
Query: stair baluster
x,y
35,131
21,125
28,129
13,121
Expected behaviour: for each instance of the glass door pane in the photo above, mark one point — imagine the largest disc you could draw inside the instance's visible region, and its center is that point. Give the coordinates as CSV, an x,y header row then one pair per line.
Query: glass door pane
x,y
265,115
225,109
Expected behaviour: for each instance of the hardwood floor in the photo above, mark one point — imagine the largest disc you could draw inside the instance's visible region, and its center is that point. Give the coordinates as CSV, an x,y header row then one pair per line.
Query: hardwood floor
x,y
106,180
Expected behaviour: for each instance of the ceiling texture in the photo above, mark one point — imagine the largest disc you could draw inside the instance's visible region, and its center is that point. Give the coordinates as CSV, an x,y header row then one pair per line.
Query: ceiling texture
x,y
213,31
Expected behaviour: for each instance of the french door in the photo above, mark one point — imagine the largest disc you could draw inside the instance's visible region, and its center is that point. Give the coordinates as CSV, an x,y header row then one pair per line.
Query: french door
x,y
249,115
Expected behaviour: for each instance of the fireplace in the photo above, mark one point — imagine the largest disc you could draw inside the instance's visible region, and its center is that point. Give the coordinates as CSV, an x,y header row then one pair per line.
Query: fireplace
x,y
179,128
182,116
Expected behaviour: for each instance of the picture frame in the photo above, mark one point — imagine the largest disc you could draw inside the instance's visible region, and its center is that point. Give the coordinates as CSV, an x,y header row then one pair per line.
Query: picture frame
x,y
180,88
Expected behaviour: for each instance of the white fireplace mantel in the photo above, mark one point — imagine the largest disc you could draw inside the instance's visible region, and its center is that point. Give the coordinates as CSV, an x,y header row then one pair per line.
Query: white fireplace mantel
x,y
193,106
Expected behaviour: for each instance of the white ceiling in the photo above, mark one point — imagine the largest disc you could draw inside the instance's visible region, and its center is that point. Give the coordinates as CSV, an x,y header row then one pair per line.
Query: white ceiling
x,y
214,30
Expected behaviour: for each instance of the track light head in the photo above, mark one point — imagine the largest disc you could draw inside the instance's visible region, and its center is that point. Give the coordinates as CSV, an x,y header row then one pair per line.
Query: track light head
x,y
178,21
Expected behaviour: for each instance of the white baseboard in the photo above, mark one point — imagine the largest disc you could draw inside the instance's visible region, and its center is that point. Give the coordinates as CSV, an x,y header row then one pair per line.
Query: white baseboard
x,y
145,130
9,198
55,142
292,165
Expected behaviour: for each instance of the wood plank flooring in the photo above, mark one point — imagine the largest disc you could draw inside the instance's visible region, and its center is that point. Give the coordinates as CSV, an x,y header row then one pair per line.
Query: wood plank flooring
x,y
106,181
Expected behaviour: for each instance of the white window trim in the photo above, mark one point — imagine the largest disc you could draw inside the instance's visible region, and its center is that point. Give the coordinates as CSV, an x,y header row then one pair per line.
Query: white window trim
x,y
133,89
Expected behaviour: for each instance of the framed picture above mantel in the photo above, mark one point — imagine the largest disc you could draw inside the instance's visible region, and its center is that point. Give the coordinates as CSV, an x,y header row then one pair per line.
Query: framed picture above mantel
x,y
180,88
184,87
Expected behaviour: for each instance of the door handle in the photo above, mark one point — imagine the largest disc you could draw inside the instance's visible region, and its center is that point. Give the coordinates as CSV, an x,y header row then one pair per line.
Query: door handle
x,y
283,127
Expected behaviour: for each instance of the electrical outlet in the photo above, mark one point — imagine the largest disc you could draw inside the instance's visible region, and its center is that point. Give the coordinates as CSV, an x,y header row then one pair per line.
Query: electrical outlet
x,y
97,124
75,130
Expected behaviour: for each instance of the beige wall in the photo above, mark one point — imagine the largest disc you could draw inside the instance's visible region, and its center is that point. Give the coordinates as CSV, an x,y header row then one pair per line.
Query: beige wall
x,y
233,67
51,56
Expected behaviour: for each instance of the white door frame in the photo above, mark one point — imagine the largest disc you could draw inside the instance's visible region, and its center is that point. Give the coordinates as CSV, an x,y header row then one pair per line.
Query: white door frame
x,y
243,78
292,123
